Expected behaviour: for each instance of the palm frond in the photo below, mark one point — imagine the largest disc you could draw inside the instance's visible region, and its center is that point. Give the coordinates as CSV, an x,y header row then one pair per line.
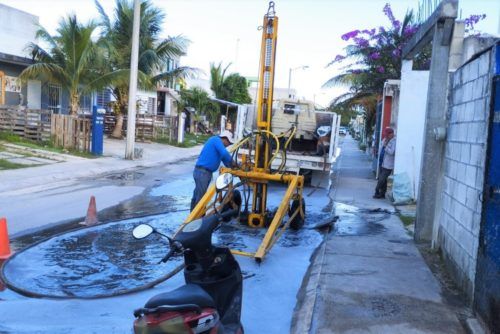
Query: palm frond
x,y
181,72
105,21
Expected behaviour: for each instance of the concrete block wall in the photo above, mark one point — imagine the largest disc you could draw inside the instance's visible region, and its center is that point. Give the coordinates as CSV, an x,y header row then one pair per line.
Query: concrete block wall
x,y
464,168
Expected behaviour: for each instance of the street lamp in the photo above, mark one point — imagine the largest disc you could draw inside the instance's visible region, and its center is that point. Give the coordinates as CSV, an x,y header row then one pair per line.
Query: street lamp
x,y
303,67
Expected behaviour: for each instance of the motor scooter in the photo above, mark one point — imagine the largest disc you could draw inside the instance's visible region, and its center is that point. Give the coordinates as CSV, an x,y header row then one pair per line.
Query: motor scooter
x,y
210,301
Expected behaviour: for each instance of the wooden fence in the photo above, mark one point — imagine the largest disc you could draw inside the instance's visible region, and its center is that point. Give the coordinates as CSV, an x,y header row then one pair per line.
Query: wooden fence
x,y
71,132
147,127
27,123
74,132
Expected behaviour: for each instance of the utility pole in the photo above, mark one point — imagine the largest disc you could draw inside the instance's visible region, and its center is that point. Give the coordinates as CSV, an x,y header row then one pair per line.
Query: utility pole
x,y
303,67
129,148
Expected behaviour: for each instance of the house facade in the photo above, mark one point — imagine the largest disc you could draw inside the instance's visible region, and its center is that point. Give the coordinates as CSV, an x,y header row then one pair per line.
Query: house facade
x,y
17,31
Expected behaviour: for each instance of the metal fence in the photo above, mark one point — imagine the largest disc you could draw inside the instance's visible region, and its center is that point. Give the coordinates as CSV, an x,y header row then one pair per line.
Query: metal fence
x,y
147,127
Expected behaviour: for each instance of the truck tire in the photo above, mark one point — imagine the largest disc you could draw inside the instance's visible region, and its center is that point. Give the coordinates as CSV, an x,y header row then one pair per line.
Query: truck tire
x,y
298,221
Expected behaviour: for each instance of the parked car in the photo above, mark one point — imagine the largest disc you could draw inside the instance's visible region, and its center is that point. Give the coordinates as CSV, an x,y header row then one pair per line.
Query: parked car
x,y
342,131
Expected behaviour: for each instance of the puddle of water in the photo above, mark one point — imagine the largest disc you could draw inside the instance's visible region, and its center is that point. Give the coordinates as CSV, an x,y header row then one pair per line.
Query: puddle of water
x,y
104,259
353,221
126,176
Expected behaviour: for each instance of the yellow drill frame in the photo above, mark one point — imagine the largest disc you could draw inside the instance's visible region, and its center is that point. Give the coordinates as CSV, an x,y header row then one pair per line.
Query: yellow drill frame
x,y
260,174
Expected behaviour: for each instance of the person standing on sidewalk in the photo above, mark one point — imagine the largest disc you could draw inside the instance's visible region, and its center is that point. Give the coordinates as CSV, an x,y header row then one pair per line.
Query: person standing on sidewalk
x,y
213,152
389,149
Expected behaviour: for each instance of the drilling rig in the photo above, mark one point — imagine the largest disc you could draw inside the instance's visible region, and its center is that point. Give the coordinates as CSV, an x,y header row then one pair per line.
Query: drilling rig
x,y
254,167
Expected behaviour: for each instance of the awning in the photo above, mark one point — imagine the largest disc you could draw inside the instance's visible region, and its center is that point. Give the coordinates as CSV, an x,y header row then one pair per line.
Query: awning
x,y
227,103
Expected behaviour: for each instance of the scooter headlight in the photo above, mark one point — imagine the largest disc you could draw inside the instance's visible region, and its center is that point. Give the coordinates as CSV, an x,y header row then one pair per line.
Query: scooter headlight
x,y
192,226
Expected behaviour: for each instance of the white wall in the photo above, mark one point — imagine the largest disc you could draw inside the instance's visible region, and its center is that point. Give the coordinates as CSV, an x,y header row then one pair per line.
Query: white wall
x,y
34,98
143,99
17,29
410,123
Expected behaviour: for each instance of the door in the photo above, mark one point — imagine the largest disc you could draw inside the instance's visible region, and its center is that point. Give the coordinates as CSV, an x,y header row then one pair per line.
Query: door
x,y
487,290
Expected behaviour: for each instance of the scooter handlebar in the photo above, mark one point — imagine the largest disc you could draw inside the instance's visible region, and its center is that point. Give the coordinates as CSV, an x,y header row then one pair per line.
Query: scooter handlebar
x,y
174,247
167,257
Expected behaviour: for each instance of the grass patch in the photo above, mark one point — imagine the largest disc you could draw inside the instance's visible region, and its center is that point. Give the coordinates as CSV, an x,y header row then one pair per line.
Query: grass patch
x,y
407,220
190,140
5,164
46,146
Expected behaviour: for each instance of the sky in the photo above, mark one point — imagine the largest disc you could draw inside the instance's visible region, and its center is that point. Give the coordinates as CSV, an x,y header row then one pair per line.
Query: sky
x,y
226,30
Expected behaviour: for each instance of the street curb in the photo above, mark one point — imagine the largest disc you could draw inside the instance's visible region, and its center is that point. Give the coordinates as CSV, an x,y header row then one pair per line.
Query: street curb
x,y
302,318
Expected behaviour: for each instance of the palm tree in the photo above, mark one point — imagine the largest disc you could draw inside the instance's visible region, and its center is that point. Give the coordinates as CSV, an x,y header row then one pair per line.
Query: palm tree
x,y
217,77
154,53
70,60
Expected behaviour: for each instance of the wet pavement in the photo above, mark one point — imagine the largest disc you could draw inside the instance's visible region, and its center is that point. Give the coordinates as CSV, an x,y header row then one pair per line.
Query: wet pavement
x,y
368,276
106,260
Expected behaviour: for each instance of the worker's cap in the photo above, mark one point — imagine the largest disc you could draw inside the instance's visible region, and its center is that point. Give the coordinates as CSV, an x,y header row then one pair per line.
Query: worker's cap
x,y
388,131
227,134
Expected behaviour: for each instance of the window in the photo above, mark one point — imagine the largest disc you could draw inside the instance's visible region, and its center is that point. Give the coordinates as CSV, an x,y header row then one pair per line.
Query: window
x,y
103,98
85,104
54,92
289,109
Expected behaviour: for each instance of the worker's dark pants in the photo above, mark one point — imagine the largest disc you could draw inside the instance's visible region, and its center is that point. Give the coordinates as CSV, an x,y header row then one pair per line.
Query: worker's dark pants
x,y
382,181
202,178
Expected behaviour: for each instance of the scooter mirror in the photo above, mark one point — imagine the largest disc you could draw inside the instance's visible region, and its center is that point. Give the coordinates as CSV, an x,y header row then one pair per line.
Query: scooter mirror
x,y
223,181
142,231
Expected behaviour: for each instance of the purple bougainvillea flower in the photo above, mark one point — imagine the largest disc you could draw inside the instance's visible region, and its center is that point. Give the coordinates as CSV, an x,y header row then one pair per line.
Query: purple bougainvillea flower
x,y
388,12
380,69
350,34
396,53
356,71
361,42
338,58
409,31
375,55
370,32
472,20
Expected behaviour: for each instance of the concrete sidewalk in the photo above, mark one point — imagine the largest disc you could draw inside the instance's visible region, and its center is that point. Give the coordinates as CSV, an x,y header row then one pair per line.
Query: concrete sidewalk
x,y
368,276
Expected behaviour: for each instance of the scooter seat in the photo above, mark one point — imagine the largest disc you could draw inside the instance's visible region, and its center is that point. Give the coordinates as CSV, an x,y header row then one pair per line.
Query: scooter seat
x,y
186,294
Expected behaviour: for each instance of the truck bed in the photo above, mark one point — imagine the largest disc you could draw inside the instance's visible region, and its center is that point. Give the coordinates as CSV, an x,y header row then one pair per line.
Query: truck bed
x,y
298,160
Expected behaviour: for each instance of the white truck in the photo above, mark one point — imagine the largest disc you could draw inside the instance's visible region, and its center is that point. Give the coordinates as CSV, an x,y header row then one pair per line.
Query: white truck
x,y
314,147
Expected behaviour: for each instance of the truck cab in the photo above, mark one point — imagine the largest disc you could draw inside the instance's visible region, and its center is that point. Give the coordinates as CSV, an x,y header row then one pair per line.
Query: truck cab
x,y
314,147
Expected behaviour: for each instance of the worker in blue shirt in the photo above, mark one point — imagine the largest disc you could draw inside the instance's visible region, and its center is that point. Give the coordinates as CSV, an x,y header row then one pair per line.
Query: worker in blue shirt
x,y
208,162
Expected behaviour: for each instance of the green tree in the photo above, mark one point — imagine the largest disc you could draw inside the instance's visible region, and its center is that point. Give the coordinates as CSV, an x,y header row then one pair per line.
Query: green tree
x,y
235,89
217,77
155,53
71,59
199,99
